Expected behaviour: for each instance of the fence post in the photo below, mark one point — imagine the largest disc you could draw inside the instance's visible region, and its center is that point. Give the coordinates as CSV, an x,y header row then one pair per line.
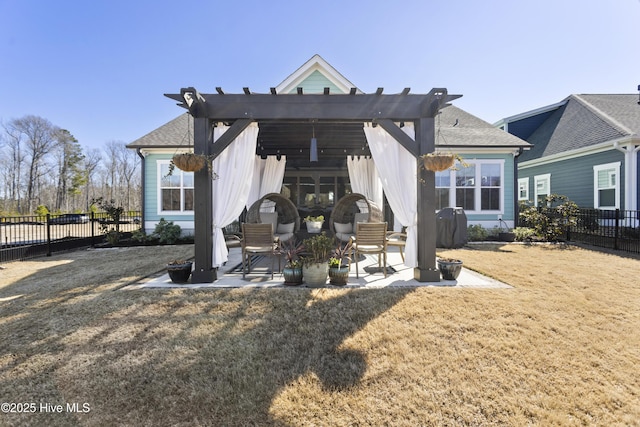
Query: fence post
x,y
93,230
617,229
48,234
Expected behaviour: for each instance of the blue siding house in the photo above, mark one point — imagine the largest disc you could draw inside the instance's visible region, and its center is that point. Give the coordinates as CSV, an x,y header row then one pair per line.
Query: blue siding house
x,y
585,147
485,186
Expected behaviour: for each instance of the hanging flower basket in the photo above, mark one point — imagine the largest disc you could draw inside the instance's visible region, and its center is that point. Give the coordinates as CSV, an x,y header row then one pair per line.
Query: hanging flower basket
x,y
189,162
437,162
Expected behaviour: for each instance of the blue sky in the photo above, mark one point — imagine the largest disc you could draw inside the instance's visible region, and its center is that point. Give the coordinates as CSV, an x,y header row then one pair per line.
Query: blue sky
x,y
100,68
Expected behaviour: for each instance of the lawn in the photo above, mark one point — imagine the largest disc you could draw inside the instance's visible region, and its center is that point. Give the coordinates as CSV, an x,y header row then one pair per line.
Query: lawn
x,y
562,347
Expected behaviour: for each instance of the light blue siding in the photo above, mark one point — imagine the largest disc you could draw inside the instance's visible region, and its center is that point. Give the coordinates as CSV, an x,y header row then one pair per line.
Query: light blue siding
x,y
574,177
315,83
151,191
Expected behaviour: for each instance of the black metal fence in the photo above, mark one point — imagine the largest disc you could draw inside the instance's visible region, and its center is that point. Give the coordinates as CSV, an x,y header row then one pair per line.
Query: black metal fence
x,y
614,229
30,236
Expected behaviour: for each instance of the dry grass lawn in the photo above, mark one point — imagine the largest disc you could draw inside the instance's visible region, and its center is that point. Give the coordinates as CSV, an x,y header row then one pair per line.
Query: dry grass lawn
x,y
560,348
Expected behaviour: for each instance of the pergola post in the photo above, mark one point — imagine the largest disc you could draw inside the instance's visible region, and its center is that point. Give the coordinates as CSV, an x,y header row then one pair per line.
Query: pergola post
x,y
203,208
426,270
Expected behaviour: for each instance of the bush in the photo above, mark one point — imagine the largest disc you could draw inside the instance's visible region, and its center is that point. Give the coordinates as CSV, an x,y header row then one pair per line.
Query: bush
x,y
524,233
552,220
476,233
167,232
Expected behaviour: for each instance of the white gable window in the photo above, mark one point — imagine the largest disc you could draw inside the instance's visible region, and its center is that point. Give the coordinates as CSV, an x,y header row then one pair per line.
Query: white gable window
x,y
606,186
523,188
175,190
542,188
477,187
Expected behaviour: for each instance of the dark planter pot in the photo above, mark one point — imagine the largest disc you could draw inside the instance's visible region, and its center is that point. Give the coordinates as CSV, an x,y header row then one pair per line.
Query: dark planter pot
x,y
507,236
292,275
179,273
450,269
338,276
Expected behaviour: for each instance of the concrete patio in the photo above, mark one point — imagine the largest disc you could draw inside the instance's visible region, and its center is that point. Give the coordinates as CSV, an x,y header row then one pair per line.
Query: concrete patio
x,y
260,277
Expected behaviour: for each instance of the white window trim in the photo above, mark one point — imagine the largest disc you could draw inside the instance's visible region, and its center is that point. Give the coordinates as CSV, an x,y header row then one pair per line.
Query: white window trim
x,y
536,179
607,166
478,188
159,165
525,182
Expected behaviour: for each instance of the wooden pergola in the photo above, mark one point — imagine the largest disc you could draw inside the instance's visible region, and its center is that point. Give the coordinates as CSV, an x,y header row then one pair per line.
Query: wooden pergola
x,y
332,110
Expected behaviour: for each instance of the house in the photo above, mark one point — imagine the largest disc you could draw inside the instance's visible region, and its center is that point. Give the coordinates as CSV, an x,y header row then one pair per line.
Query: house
x,y
484,188
317,124
584,147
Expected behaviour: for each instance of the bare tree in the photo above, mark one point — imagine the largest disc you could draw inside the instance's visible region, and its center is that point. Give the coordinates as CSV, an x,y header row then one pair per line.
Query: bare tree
x,y
91,163
39,140
128,163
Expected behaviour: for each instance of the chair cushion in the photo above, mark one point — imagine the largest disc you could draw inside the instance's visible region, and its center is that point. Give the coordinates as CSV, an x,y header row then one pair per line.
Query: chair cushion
x,y
286,228
343,228
344,237
360,217
269,218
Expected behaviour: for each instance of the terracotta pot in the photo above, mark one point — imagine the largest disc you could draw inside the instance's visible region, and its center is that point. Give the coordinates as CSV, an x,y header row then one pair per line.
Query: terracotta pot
x,y
315,275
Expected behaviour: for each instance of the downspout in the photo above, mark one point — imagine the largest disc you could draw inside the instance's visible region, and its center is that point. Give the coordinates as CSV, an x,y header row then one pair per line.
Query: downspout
x,y
631,173
142,190
516,203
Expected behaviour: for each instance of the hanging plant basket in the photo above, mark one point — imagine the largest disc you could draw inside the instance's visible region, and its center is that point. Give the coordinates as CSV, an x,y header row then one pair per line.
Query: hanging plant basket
x,y
437,162
189,162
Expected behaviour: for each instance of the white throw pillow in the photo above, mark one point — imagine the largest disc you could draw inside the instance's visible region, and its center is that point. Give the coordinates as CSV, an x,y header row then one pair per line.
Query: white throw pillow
x,y
269,218
286,228
343,228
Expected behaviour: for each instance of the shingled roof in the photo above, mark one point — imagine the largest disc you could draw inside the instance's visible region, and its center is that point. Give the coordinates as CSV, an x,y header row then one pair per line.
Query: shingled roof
x,y
584,121
457,129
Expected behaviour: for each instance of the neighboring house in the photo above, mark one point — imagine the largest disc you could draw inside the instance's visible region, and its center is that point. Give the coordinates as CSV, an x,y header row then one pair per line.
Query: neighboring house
x,y
485,188
585,147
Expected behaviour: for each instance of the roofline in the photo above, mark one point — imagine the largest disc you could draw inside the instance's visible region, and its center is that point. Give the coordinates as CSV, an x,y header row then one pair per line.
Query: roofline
x,y
530,113
579,152
316,62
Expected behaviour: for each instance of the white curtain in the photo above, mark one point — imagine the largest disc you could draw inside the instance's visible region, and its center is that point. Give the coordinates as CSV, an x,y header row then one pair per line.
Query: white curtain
x,y
398,173
234,167
364,178
268,175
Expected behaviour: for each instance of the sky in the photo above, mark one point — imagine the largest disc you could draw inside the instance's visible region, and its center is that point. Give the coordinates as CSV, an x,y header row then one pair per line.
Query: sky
x,y
100,68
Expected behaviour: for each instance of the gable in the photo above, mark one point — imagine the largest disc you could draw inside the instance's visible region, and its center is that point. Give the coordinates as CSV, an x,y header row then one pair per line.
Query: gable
x,y
315,83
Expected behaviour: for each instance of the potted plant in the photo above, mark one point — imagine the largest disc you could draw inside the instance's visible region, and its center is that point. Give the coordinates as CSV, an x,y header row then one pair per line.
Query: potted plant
x,y
450,268
191,162
315,267
179,270
338,272
314,223
437,161
292,271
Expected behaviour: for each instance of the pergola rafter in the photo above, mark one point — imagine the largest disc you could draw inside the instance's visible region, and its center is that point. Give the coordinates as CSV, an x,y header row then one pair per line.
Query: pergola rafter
x,y
384,110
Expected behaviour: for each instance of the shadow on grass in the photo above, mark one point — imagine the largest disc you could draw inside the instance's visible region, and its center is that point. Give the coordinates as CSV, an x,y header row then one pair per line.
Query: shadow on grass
x,y
189,357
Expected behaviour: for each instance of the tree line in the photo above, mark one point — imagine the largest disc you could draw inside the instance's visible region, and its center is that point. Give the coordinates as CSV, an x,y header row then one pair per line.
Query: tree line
x,y
45,168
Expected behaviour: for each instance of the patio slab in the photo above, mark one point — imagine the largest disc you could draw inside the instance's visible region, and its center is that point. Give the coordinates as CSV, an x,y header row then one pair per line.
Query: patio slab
x,y
260,277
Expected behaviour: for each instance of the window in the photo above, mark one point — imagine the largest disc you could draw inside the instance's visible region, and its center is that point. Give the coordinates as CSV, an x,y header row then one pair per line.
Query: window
x,y
523,189
176,190
542,188
443,190
606,188
478,187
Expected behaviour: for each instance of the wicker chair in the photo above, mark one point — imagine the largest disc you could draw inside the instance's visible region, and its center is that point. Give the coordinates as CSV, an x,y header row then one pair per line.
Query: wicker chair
x,y
278,210
349,210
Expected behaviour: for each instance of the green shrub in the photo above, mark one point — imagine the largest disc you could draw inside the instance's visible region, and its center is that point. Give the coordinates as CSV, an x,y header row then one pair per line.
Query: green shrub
x,y
524,233
167,232
476,233
41,210
551,220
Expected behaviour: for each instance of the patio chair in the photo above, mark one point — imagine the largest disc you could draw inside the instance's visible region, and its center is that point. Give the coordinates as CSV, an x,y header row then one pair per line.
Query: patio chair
x,y
397,239
371,238
258,239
